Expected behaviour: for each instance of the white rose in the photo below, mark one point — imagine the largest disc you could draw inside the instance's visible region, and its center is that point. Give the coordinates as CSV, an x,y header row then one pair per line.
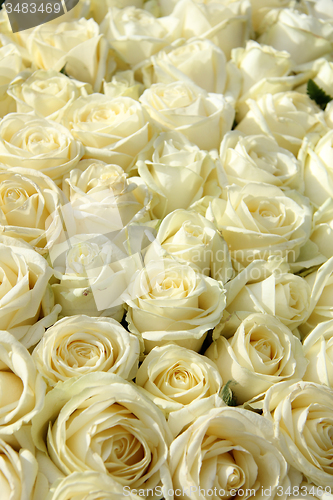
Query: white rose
x,y
263,70
229,449
112,130
261,220
227,24
24,292
261,7
320,308
318,349
104,198
302,417
202,117
78,45
283,295
92,276
170,301
10,65
261,353
99,9
22,387
27,199
318,171
183,163
286,116
103,423
123,84
79,345
322,232
29,141
48,93
287,29
189,237
329,114
96,485
198,61
18,471
320,71
259,158
182,383
136,34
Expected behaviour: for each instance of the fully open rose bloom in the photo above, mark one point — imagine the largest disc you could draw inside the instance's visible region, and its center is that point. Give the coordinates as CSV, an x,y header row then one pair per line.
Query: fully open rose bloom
x,y
102,423
79,345
189,237
78,45
175,158
228,451
112,130
27,304
169,301
48,92
30,141
27,199
262,352
303,425
261,220
202,117
318,350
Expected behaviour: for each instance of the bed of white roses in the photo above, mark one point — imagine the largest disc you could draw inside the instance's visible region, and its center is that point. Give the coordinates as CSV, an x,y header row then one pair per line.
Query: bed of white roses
x,y
166,252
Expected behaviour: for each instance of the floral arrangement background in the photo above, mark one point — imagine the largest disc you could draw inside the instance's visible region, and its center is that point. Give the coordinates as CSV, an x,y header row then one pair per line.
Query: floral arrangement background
x,y
166,251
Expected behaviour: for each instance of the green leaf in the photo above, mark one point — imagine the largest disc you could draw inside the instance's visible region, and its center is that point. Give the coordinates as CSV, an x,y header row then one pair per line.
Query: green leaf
x,y
63,70
227,395
317,94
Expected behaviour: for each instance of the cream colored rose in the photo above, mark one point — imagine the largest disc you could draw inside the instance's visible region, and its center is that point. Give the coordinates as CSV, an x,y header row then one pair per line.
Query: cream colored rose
x,y
329,114
260,220
10,65
123,84
169,301
202,117
27,303
318,171
261,7
189,237
100,9
22,387
96,485
18,470
27,199
182,163
47,92
320,71
318,349
302,418
78,45
91,276
112,130
227,24
29,141
287,29
101,423
261,353
103,198
259,158
320,308
322,232
229,449
263,70
283,295
182,383
286,116
198,61
78,345
136,34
